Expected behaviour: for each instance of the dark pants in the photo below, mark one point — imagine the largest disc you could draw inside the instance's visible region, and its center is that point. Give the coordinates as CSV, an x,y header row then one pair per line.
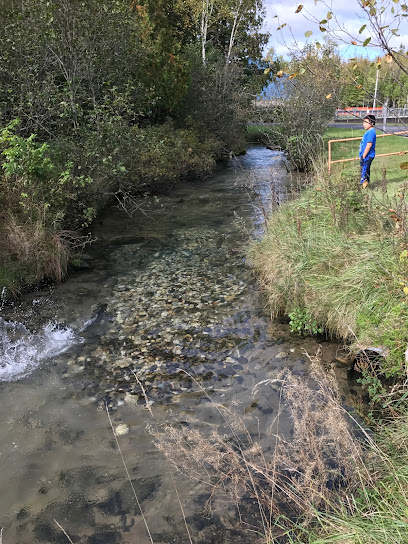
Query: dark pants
x,y
365,165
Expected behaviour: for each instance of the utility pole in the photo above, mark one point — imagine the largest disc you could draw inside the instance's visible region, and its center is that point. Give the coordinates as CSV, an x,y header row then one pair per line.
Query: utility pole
x,y
385,113
376,86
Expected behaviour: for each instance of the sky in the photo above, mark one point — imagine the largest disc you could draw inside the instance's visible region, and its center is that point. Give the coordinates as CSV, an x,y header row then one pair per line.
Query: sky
x,y
347,14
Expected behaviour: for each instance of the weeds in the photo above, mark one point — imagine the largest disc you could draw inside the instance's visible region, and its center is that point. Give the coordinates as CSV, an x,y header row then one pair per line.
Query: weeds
x,y
35,247
377,514
302,322
312,472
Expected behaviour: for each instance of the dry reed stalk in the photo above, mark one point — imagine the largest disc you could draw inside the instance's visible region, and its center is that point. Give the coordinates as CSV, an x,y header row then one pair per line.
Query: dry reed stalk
x,y
44,252
171,474
62,529
306,474
128,475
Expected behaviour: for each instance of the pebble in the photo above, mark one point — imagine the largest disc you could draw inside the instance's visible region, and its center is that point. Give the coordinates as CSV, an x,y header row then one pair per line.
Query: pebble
x,y
122,429
131,399
281,355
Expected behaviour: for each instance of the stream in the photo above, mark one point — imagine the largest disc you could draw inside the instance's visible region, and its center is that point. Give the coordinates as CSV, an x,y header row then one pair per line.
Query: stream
x,y
164,320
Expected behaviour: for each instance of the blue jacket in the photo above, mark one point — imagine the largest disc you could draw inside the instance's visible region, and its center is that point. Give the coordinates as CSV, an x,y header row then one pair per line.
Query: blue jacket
x,y
369,136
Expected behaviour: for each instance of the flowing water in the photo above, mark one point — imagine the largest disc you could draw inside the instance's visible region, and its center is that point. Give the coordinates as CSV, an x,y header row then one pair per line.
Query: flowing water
x,y
164,291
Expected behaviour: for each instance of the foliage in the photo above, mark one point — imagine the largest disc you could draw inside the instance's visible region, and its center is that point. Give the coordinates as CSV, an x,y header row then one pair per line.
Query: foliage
x,y
302,322
304,104
102,99
381,24
362,78
359,76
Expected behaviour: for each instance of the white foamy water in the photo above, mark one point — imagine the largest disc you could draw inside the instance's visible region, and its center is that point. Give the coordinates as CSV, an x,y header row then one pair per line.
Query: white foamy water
x,y
21,350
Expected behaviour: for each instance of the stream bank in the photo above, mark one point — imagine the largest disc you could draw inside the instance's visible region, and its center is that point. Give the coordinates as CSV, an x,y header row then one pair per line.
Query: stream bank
x,y
168,296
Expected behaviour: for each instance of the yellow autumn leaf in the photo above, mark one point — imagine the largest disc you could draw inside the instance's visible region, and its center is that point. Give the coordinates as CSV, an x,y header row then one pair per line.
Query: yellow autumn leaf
x,y
299,8
292,76
280,73
405,290
329,95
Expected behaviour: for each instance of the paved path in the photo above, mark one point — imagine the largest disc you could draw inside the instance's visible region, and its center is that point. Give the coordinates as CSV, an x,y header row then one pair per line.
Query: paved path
x,y
353,125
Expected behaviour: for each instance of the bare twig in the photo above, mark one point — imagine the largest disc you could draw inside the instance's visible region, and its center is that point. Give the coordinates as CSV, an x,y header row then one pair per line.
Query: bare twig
x,y
128,475
60,526
171,474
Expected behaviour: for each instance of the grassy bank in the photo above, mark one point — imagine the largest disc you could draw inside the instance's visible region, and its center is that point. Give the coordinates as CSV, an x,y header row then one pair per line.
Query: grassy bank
x,y
337,256
377,513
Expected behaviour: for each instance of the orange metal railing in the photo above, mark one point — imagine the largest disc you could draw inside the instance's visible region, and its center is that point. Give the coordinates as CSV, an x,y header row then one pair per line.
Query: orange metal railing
x,y
358,158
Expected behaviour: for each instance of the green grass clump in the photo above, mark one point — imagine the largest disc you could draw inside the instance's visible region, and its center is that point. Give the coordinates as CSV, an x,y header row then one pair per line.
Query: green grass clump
x,y
10,280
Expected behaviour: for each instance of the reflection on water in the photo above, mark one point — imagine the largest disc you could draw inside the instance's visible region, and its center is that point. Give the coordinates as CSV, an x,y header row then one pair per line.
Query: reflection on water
x,y
167,297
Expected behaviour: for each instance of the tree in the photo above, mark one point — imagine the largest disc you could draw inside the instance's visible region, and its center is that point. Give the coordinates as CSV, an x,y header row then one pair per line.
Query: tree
x,y
381,23
306,102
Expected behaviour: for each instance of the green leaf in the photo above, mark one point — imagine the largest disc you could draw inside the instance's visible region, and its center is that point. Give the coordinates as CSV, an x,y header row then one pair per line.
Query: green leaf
x,y
404,7
318,45
362,29
302,71
323,22
395,31
366,42
308,33
373,11
395,1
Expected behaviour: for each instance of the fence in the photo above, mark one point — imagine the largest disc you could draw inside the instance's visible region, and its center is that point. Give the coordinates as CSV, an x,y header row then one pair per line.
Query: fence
x,y
358,158
380,113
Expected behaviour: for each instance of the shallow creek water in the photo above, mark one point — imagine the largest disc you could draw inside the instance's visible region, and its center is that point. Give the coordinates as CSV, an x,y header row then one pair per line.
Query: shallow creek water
x,y
168,289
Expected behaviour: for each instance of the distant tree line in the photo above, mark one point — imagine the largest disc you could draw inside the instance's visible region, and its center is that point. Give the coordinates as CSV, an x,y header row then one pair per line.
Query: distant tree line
x,y
360,75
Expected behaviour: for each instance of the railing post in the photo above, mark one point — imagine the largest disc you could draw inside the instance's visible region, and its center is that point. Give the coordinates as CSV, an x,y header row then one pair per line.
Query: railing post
x,y
330,157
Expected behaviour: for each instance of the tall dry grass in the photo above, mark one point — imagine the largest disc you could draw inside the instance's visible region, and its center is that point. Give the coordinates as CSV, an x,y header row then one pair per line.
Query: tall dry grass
x,y
39,251
313,471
